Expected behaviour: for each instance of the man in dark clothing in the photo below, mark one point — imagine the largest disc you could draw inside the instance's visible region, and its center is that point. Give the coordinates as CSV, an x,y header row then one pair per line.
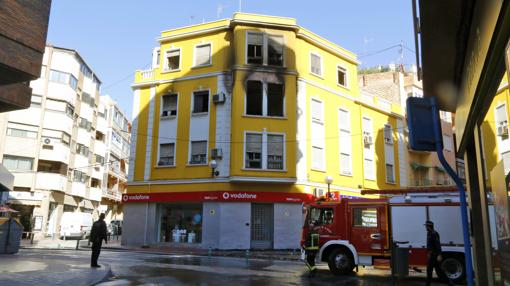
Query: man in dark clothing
x,y
311,248
434,256
97,234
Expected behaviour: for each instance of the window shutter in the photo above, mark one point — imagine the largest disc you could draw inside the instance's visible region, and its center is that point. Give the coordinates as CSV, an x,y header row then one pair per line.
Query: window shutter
x,y
316,110
203,55
174,53
254,143
255,39
198,147
167,150
275,145
501,114
316,64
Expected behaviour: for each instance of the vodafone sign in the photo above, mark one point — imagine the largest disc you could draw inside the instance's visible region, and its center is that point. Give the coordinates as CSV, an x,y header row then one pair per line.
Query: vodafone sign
x,y
228,196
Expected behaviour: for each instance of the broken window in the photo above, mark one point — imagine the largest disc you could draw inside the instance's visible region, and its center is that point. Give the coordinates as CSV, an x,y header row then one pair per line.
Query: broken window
x,y
275,50
255,43
200,101
254,97
274,99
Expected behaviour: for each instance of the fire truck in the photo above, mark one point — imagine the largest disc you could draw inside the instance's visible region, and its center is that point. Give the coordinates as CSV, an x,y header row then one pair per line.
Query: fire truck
x,y
359,232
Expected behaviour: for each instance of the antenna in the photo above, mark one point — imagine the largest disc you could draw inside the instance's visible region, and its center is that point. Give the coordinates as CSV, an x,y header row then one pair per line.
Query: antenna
x,y
219,10
240,5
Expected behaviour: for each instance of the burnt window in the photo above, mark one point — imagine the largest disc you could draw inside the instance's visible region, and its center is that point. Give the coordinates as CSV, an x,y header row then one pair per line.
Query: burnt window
x,y
254,98
275,50
274,99
200,101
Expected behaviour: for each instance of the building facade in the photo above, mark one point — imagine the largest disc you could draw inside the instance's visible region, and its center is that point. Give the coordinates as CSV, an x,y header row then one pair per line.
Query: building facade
x,y
395,85
239,122
57,149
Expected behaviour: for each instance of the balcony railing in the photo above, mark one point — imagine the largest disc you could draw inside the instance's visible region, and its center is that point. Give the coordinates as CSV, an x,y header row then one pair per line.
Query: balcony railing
x,y
144,75
113,193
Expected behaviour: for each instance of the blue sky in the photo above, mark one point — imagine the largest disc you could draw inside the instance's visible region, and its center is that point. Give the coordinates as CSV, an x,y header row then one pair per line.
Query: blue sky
x,y
116,37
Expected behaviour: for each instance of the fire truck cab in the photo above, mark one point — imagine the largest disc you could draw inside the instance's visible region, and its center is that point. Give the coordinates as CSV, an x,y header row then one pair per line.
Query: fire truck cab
x,y
359,232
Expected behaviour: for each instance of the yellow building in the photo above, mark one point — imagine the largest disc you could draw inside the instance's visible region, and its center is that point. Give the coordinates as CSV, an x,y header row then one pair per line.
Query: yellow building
x,y
240,121
495,139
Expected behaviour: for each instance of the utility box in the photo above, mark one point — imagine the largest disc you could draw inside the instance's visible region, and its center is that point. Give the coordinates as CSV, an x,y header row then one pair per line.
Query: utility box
x,y
10,235
400,262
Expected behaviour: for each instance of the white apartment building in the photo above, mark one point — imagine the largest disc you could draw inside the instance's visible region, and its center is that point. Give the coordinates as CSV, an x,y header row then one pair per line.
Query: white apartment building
x,y
112,122
58,149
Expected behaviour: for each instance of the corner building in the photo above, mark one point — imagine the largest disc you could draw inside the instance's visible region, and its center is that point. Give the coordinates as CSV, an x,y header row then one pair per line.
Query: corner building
x,y
275,109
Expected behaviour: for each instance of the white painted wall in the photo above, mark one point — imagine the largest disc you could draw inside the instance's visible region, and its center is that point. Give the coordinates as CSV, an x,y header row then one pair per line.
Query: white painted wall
x,y
60,152
65,62
20,146
61,91
78,189
223,124
58,121
301,135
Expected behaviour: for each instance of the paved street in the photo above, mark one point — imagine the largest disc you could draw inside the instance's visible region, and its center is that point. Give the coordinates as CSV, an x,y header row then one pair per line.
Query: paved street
x,y
50,267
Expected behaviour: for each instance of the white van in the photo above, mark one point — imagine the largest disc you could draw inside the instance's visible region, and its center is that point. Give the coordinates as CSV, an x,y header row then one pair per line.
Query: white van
x,y
76,225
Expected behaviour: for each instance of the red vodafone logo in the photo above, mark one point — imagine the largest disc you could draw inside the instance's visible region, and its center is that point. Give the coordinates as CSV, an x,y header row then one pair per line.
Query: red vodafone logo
x,y
125,198
226,196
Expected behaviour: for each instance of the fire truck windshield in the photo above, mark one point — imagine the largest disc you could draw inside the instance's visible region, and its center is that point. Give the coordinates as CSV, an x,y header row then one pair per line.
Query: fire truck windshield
x,y
319,216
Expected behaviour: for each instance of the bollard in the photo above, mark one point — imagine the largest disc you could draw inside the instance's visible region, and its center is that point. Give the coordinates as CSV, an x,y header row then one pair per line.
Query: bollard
x,y
247,253
77,244
32,239
209,252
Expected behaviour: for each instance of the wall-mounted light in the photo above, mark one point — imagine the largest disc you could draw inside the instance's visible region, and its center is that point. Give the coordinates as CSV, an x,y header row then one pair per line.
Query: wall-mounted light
x,y
213,164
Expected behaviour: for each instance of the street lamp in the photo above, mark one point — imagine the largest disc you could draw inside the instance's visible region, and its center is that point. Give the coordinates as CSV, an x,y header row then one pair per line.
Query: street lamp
x,y
329,180
213,164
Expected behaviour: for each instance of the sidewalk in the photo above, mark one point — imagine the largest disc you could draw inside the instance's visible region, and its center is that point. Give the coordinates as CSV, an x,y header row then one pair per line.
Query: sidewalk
x,y
181,249
25,268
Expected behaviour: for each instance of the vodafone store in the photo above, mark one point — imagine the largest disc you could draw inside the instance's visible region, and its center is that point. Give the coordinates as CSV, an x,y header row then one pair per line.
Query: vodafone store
x,y
216,220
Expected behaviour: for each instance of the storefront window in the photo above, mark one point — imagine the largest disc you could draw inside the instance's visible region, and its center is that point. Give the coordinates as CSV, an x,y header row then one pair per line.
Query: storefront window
x,y
181,223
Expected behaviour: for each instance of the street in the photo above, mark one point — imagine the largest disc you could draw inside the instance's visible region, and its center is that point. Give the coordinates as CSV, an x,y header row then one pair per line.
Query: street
x,y
46,267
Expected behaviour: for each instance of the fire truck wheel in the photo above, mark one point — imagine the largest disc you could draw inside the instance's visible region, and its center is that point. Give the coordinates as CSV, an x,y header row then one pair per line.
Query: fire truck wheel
x,y
453,268
340,261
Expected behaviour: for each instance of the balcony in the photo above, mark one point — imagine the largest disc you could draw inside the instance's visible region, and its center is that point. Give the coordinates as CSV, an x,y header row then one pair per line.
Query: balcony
x,y
51,181
78,189
25,196
95,194
117,171
144,76
113,194
54,151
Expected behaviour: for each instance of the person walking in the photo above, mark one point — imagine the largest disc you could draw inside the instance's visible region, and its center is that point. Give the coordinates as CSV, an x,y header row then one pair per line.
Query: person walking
x,y
434,256
97,234
311,248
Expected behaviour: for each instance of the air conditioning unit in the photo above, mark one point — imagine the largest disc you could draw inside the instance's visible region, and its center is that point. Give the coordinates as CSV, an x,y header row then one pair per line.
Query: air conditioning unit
x,y
47,141
367,140
216,153
219,97
503,130
318,192
387,140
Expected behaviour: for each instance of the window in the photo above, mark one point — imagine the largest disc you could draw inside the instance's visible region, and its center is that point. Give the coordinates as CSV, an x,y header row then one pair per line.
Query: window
x,y
198,152
80,177
275,99
254,97
88,99
85,71
69,110
116,138
344,142
318,144
388,136
169,105
263,49
203,55
342,76
200,101
322,216
166,154
364,217
275,152
255,43
18,163
99,159
85,124
66,138
173,60
253,151
315,64
390,176
82,149
316,110
73,82
275,50
35,101
21,133
447,142
368,149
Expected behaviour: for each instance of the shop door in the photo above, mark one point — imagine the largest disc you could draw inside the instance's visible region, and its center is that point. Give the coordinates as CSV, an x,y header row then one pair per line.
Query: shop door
x,y
262,226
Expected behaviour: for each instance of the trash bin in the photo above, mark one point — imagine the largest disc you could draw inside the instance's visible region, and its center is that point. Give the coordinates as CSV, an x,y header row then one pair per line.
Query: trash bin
x,y
400,261
10,235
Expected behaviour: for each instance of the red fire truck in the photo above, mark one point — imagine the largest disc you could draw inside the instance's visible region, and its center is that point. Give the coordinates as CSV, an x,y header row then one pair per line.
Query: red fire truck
x,y
358,232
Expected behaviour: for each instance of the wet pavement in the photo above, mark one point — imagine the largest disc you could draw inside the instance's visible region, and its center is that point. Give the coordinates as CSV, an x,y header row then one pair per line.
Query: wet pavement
x,y
135,268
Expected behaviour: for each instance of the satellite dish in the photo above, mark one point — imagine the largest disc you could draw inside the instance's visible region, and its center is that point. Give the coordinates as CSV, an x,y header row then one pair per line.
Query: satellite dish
x,y
47,141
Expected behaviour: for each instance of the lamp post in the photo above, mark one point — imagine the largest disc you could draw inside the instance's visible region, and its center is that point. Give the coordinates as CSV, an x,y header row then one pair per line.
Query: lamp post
x,y
329,180
213,164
